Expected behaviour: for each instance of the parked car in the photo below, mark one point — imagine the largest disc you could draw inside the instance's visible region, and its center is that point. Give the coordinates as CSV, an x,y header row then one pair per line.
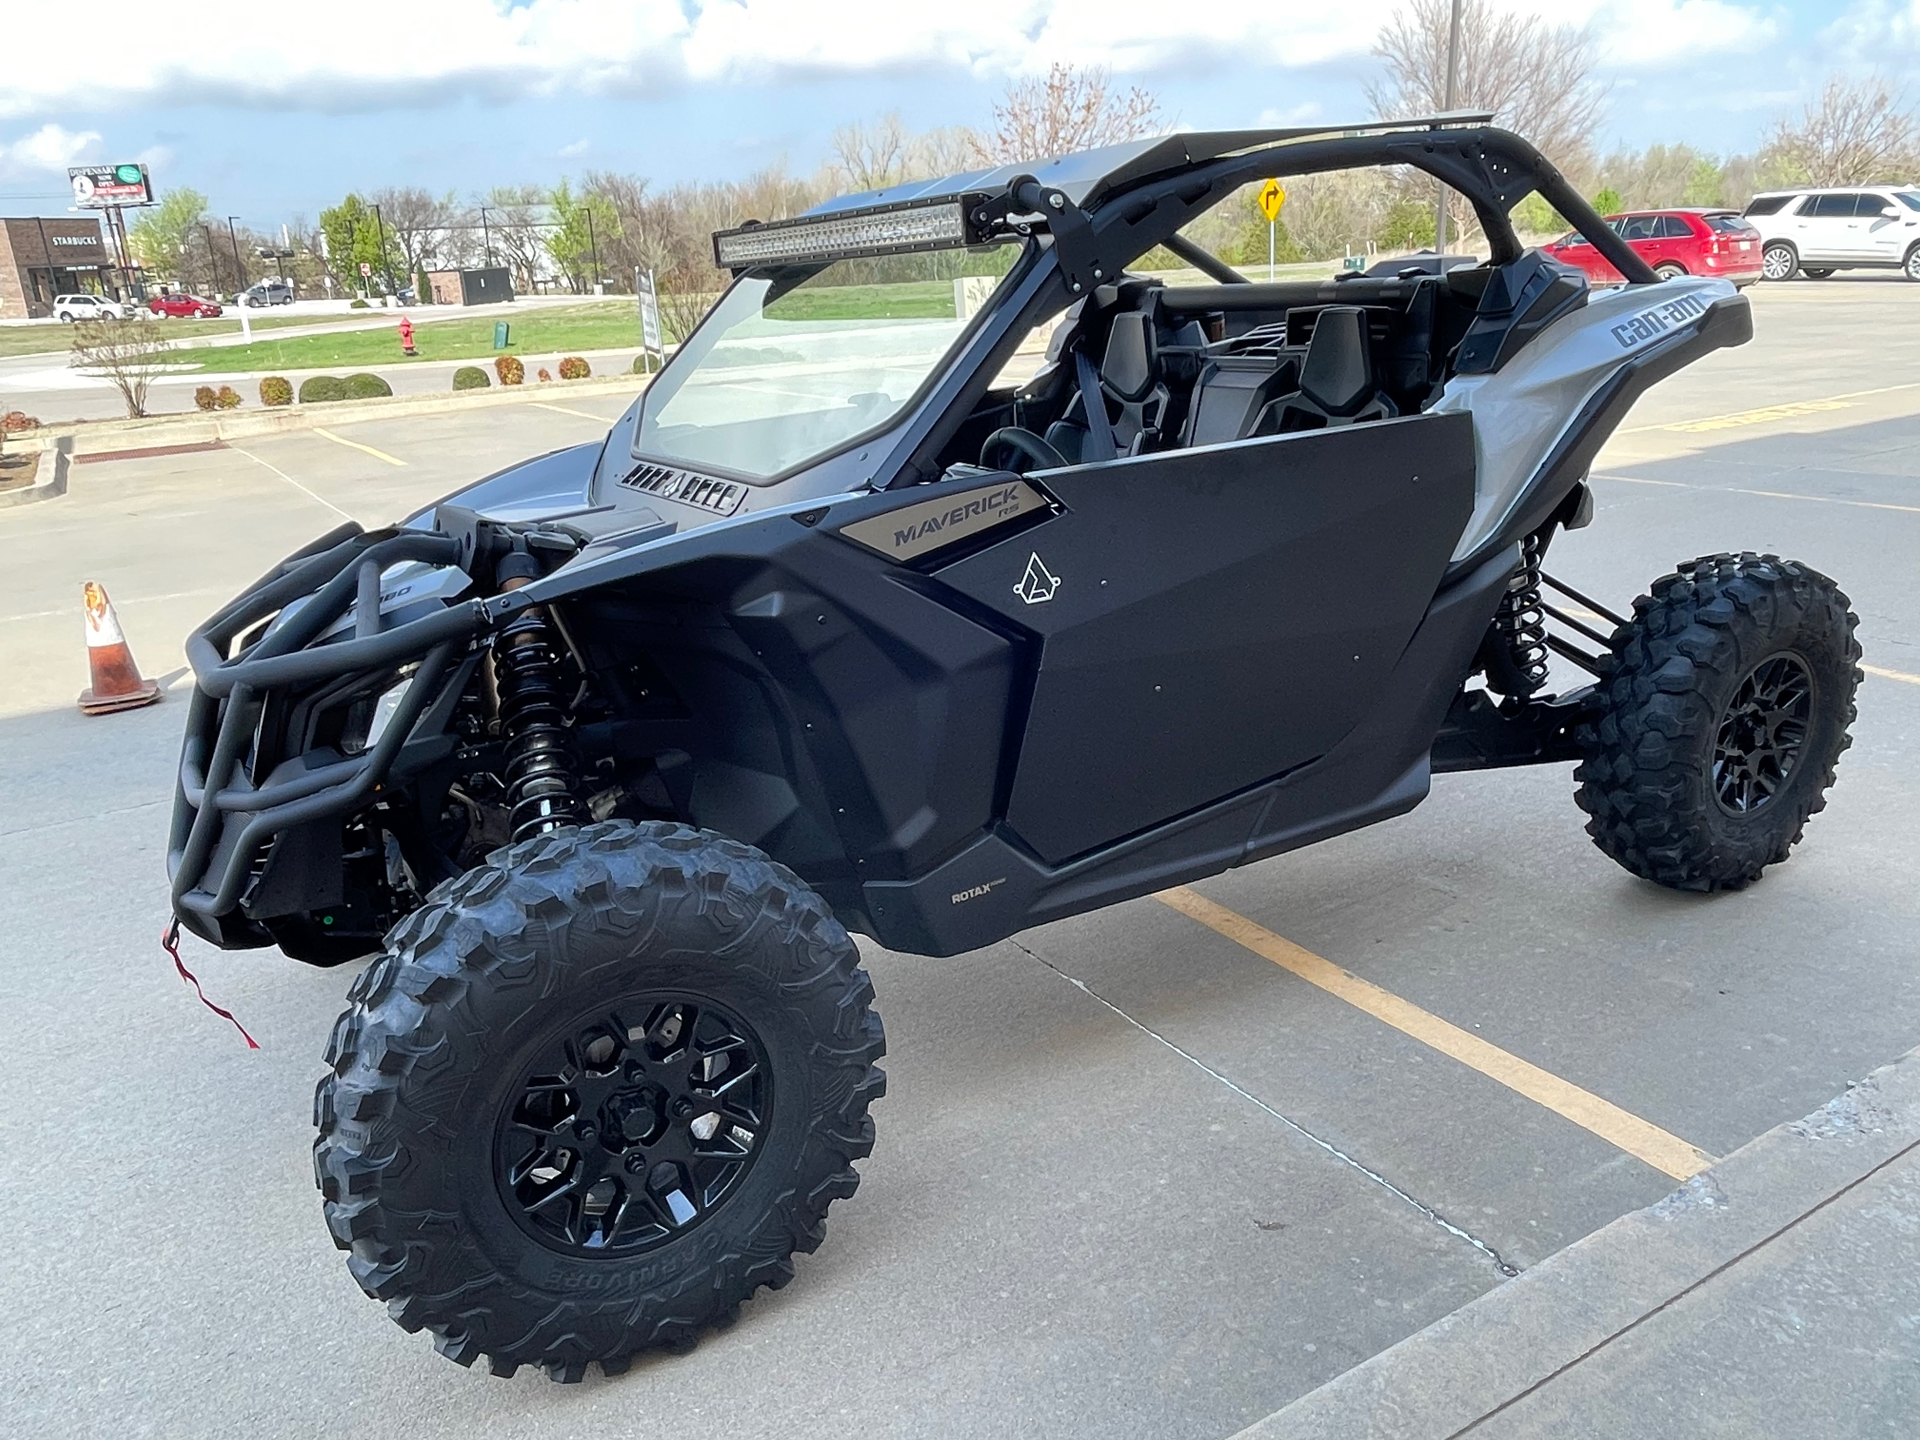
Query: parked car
x,y
178,305
267,292
1816,232
1674,242
89,307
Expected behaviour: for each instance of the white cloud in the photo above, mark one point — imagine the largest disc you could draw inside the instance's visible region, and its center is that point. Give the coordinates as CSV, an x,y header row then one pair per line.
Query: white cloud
x,y
490,50
574,150
51,147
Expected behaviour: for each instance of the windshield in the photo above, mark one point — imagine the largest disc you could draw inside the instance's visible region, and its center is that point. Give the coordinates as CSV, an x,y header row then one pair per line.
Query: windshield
x,y
793,364
1908,199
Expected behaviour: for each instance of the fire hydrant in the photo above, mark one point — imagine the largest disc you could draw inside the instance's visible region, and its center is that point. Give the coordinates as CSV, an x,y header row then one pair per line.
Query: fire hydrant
x,y
406,336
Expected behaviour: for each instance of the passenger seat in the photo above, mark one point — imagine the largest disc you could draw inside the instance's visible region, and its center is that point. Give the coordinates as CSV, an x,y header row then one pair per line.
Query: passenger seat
x,y
1336,378
1130,379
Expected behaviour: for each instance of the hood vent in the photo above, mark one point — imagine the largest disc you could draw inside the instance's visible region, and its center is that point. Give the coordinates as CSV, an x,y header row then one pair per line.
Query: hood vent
x,y
723,497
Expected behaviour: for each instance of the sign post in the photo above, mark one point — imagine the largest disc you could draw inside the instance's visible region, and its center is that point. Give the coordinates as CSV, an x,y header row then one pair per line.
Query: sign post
x,y
651,342
1272,196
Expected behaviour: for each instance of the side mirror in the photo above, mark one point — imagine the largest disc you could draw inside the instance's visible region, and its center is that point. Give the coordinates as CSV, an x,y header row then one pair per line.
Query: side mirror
x,y
1890,212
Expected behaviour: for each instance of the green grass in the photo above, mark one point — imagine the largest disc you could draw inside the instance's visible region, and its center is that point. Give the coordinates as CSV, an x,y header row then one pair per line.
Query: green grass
x,y
916,300
56,339
563,328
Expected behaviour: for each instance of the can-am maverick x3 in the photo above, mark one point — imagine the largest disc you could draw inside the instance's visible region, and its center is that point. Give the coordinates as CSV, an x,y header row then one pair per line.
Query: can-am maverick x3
x,y
839,630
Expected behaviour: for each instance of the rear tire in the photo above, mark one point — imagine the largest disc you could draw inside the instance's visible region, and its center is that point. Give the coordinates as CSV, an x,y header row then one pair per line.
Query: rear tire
x,y
1669,271
1779,262
1728,701
1911,266
511,1134
1819,273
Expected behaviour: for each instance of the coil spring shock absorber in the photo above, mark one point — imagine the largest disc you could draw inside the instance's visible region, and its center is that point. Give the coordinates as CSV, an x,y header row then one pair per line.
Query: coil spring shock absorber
x,y
542,792
1516,660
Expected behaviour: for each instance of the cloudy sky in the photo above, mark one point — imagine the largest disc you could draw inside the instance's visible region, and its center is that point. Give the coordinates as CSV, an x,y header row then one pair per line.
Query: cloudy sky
x,y
270,116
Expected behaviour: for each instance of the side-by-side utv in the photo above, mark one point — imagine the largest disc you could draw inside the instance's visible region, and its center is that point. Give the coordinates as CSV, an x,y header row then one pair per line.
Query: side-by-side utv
x,y
864,617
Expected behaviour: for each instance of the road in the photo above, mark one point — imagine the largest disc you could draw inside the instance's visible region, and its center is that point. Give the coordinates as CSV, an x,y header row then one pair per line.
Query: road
x,y
1147,1172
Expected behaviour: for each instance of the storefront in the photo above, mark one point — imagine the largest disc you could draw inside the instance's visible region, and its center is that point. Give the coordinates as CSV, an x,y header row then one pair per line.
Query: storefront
x,y
41,258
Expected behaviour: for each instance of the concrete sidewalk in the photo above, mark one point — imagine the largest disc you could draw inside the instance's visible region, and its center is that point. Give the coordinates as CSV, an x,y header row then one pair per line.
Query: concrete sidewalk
x,y
1777,1294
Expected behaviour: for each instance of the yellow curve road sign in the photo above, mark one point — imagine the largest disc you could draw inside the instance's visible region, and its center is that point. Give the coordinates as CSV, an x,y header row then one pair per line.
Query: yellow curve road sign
x,y
1272,196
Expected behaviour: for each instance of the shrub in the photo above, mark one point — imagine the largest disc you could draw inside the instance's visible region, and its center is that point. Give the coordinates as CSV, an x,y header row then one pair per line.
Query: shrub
x,y
322,387
358,304
365,386
575,367
15,420
544,376
228,398
276,391
470,377
204,398
509,369
642,364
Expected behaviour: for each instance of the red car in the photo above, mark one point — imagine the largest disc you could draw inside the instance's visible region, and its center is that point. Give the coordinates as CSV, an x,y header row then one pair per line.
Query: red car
x,y
178,305
1674,242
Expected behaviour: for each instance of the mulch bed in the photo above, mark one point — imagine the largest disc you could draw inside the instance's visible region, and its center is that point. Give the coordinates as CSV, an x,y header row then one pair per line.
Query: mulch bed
x,y
18,468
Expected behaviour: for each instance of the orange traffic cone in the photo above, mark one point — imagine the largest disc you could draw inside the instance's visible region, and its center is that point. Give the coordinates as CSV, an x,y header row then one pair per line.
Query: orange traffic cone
x,y
117,684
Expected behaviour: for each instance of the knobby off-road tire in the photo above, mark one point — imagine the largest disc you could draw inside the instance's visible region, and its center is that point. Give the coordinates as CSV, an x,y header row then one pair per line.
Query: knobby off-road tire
x,y
1728,700
565,999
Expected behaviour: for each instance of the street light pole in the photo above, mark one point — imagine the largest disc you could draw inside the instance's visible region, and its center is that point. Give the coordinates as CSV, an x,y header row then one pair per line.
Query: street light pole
x,y
1453,85
239,270
213,261
594,246
486,239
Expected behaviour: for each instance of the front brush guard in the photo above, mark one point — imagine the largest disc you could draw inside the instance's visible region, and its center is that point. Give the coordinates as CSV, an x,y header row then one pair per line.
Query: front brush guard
x,y
222,821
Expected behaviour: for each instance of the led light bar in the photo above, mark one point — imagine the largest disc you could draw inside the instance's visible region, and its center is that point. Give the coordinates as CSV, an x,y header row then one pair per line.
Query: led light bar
x,y
883,230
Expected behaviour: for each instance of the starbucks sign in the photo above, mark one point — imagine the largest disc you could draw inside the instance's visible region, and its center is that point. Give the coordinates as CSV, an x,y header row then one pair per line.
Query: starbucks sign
x,y
98,186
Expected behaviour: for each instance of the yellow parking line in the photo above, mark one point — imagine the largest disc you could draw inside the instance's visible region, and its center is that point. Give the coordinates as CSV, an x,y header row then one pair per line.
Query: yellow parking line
x,y
356,445
563,410
1640,1139
1769,412
1891,674
1768,494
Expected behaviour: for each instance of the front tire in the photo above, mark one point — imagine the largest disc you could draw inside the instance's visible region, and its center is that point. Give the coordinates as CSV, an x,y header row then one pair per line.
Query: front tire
x,y
1779,262
596,1094
1911,266
1727,704
1669,270
1821,272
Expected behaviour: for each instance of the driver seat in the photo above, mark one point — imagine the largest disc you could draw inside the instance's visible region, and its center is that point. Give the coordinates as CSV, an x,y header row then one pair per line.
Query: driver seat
x,y
1129,383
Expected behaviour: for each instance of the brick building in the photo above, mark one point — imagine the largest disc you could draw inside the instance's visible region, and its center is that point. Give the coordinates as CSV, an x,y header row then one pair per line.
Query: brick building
x,y
42,258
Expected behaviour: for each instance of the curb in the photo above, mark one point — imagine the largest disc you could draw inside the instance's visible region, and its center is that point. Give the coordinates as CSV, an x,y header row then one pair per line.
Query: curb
x,y
91,436
52,485
1511,1341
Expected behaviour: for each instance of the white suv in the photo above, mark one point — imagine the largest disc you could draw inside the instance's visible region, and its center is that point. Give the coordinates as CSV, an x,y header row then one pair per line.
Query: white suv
x,y
1821,231
89,307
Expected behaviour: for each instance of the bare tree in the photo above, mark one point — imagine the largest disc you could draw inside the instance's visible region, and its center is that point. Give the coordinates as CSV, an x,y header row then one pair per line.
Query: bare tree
x,y
416,222
1536,78
130,355
515,216
871,154
1071,109
1859,132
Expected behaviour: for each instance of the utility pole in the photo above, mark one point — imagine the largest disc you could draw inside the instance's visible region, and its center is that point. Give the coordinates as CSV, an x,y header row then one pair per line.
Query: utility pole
x,y
593,245
486,239
380,229
239,270
1453,85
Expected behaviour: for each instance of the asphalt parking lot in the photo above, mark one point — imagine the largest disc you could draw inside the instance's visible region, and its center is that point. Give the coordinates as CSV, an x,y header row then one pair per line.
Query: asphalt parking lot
x,y
1153,1171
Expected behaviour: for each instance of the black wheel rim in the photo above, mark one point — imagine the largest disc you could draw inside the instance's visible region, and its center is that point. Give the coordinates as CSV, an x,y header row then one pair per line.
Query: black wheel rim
x,y
633,1125
1760,734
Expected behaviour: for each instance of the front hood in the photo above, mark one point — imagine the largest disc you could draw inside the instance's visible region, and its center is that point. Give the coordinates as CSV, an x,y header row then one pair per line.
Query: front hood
x,y
547,487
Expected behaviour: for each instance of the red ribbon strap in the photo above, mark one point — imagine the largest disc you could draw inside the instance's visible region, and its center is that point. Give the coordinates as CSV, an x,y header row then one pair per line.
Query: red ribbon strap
x,y
170,942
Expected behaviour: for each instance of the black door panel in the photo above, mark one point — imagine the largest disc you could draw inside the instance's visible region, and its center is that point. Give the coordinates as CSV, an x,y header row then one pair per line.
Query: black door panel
x,y
1210,618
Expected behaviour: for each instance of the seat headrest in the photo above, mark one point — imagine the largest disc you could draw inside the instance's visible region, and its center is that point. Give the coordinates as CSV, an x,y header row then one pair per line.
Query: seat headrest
x,y
1337,374
1127,369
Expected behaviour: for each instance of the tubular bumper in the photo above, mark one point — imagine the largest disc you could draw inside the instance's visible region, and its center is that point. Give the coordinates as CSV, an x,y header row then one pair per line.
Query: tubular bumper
x,y
222,820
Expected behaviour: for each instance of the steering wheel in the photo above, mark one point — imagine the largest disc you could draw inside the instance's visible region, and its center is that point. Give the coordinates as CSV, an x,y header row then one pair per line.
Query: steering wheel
x,y
1025,445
